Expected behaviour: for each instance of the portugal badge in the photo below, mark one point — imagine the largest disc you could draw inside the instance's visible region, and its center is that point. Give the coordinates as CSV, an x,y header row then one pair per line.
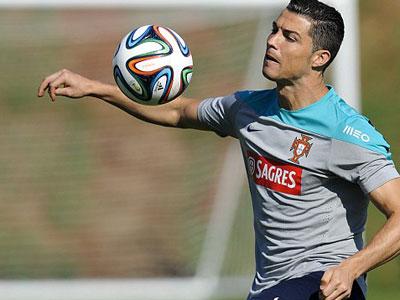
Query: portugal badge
x,y
300,147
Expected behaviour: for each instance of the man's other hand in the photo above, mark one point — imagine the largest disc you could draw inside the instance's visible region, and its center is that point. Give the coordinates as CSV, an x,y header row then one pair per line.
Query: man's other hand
x,y
337,283
65,83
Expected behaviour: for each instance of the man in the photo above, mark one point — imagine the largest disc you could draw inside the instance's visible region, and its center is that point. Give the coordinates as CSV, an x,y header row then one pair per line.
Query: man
x,y
312,161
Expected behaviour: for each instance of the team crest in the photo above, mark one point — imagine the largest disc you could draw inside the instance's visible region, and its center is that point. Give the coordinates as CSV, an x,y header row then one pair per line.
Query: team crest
x,y
300,147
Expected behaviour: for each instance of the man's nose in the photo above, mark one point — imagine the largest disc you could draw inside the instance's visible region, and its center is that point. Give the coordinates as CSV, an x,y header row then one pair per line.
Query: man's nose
x,y
272,41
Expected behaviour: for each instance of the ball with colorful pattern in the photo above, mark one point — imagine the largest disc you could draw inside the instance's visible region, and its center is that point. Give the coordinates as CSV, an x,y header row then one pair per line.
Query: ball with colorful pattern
x,y
152,65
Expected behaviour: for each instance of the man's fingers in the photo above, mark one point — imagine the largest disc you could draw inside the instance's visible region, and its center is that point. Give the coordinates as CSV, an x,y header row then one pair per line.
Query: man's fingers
x,y
45,83
326,285
63,91
57,83
326,278
52,93
339,294
334,290
329,290
43,86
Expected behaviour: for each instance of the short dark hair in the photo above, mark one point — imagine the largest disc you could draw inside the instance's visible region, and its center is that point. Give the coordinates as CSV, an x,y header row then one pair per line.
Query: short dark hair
x,y
327,26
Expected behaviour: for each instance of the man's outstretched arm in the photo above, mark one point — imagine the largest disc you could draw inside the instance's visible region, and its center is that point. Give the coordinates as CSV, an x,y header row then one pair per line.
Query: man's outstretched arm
x,y
181,112
385,245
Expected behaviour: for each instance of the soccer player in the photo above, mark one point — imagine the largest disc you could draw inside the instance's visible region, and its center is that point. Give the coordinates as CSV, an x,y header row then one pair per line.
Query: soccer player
x,y
312,161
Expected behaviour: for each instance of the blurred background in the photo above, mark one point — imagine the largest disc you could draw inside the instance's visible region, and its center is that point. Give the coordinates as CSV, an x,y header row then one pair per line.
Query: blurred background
x,y
86,191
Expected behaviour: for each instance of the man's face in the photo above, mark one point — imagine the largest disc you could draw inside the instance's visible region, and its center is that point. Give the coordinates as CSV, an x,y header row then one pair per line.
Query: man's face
x,y
289,48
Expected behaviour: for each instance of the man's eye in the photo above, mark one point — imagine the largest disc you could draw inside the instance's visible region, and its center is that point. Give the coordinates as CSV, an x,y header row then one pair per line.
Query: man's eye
x,y
290,38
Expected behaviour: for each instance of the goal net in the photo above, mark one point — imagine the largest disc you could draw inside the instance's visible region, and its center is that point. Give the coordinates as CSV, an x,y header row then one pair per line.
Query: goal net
x,y
97,205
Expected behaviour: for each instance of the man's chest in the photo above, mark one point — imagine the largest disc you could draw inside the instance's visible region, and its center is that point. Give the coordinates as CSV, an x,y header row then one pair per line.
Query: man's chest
x,y
284,158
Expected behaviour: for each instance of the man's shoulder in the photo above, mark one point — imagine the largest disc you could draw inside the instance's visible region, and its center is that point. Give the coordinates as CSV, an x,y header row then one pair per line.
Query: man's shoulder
x,y
256,100
250,96
244,96
357,129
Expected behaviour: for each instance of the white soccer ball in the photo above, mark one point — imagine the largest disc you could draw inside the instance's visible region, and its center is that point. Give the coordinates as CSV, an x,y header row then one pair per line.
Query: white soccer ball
x,y
152,65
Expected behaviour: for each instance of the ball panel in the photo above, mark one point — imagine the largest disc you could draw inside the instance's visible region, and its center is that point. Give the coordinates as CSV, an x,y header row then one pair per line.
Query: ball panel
x,y
187,76
149,47
146,49
136,36
143,30
133,88
181,43
145,66
161,84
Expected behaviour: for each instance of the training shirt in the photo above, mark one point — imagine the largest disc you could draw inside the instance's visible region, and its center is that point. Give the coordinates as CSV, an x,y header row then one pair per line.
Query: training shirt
x,y
309,173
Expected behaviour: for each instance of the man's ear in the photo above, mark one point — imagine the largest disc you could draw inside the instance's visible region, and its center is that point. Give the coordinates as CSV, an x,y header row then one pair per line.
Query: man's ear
x,y
320,58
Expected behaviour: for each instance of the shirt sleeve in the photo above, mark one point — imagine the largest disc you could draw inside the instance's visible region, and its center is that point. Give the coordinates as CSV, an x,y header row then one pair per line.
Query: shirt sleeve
x,y
361,155
218,114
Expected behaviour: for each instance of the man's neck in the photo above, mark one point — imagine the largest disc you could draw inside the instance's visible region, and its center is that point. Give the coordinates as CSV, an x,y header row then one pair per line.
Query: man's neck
x,y
297,95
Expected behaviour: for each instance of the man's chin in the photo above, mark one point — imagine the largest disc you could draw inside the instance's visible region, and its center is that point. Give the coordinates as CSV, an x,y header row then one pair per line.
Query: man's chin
x,y
268,75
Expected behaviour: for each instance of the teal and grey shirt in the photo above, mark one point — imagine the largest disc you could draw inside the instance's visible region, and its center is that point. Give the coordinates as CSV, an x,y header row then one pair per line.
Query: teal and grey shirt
x,y
309,173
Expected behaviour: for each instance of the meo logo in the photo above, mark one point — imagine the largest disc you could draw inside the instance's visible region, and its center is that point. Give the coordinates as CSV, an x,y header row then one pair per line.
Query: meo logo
x,y
356,133
274,175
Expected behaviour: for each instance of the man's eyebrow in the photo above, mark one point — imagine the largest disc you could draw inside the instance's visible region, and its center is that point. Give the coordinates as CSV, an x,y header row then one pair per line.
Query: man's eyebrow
x,y
275,25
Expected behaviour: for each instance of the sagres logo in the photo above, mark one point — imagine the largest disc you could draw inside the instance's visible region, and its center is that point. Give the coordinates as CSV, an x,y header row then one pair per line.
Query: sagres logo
x,y
277,176
300,147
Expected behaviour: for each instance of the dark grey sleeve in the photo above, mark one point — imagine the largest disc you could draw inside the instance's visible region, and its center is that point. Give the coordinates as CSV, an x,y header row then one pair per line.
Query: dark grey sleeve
x,y
367,168
218,115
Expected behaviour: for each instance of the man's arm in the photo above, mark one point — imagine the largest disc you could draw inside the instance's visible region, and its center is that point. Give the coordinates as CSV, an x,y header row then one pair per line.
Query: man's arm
x,y
181,112
385,245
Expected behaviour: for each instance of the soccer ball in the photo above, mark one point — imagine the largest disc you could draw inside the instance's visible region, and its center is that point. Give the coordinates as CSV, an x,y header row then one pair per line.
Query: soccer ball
x,y
152,65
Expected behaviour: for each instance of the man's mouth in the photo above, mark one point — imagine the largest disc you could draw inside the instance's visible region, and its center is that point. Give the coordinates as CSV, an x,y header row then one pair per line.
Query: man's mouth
x,y
271,58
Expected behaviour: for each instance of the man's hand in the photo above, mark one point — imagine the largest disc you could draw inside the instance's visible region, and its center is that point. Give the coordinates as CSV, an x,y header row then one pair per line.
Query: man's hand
x,y
65,83
336,283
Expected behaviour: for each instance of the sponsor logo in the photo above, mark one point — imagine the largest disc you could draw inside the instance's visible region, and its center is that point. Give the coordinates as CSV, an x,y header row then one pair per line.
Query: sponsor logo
x,y
252,128
159,86
274,175
252,165
358,134
300,147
